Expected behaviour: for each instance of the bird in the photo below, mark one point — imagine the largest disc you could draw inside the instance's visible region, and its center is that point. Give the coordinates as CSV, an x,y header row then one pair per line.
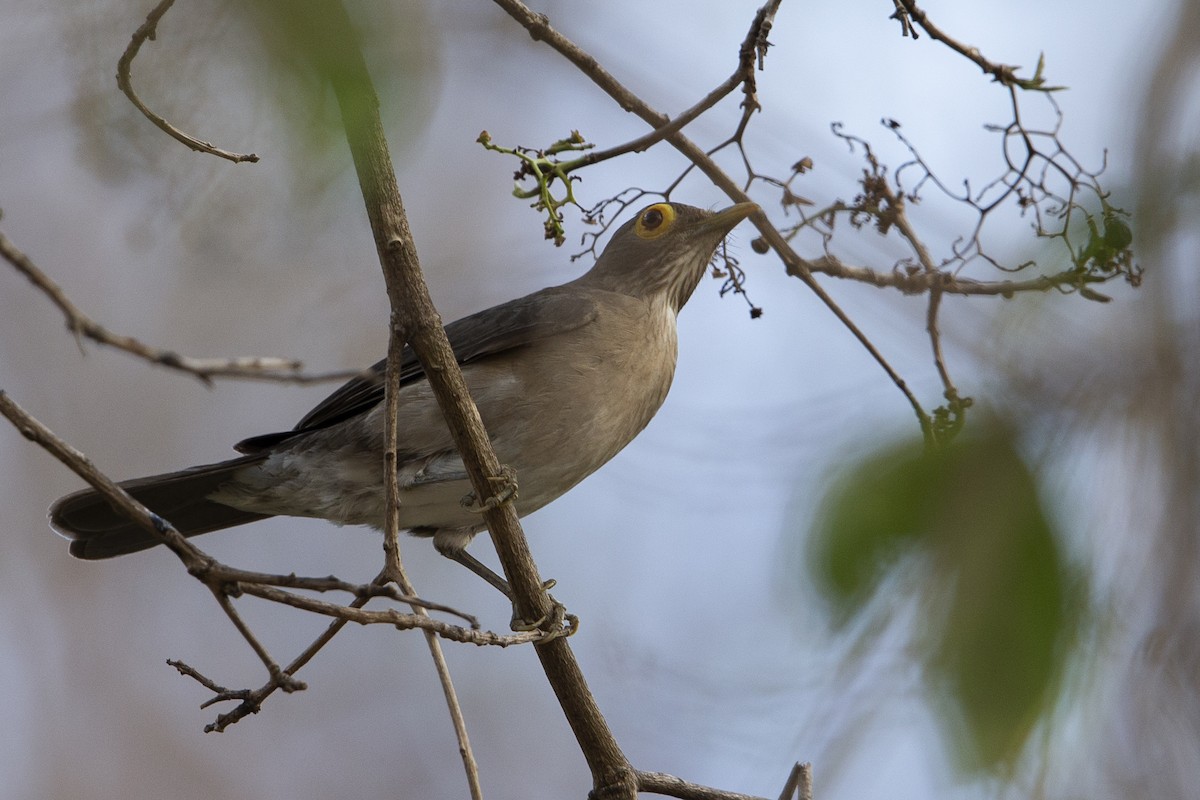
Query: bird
x,y
564,378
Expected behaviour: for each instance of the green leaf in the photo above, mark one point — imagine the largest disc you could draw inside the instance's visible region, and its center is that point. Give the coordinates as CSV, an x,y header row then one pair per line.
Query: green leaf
x,y
999,606
871,518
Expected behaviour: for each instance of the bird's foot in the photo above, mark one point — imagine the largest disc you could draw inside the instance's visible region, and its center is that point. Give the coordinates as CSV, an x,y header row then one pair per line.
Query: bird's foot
x,y
506,492
554,623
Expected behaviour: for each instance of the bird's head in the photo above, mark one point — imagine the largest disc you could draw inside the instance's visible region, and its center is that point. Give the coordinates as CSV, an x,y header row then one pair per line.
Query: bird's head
x,y
664,250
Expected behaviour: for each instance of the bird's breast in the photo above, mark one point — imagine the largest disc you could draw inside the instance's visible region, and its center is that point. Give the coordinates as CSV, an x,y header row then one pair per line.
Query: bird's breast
x,y
586,395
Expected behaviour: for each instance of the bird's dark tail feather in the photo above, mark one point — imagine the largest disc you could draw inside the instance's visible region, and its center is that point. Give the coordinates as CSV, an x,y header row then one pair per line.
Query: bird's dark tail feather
x,y
97,530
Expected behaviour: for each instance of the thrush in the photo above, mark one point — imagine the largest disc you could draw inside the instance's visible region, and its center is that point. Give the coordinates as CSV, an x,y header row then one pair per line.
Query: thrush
x,y
564,378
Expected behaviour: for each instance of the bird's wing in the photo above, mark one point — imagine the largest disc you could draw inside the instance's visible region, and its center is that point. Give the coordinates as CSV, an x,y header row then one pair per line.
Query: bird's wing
x,y
510,325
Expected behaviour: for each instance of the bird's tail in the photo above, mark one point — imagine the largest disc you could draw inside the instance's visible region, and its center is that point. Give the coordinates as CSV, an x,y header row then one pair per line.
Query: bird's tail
x,y
98,530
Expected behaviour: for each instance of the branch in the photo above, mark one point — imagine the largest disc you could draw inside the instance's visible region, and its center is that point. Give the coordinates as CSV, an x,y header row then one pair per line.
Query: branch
x,y
1002,73
393,564
77,462
205,369
662,783
799,783
148,30
394,618
751,52
417,320
252,700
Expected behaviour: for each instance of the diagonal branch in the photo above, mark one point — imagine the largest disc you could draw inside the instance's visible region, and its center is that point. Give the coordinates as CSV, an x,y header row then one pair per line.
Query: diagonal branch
x,y
907,10
540,29
417,320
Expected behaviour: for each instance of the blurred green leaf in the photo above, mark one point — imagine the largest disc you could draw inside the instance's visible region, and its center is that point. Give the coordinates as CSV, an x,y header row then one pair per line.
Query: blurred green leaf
x,y
997,615
310,44
870,519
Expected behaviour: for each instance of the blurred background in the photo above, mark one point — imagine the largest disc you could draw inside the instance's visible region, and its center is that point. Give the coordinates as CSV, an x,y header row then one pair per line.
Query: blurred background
x,y
699,560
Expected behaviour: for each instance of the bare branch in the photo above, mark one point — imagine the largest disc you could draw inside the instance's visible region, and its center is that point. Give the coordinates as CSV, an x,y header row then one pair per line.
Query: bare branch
x,y
907,9
218,574
148,30
394,618
251,701
284,681
78,463
81,325
669,785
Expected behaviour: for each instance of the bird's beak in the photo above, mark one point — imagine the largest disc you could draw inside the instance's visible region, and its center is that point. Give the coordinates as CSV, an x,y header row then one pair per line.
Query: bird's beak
x,y
725,219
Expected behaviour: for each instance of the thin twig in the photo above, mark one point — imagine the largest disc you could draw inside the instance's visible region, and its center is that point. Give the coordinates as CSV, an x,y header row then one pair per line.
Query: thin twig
x,y
397,619
671,786
743,75
205,369
220,692
393,562
81,465
217,573
252,701
898,214
1003,73
285,682
413,314
148,30
935,340
920,283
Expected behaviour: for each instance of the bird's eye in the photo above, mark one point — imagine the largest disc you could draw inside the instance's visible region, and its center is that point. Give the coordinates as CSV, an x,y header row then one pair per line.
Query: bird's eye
x,y
654,221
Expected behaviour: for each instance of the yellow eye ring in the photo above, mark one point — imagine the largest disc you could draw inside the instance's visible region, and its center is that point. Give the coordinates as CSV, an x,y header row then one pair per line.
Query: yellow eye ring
x,y
654,221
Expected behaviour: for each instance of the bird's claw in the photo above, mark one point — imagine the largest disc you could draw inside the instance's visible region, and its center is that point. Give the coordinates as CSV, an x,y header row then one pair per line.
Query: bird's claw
x,y
522,625
553,624
507,492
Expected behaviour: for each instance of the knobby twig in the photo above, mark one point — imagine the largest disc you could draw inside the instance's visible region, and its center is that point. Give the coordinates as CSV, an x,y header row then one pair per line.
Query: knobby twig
x,y
251,701
148,30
